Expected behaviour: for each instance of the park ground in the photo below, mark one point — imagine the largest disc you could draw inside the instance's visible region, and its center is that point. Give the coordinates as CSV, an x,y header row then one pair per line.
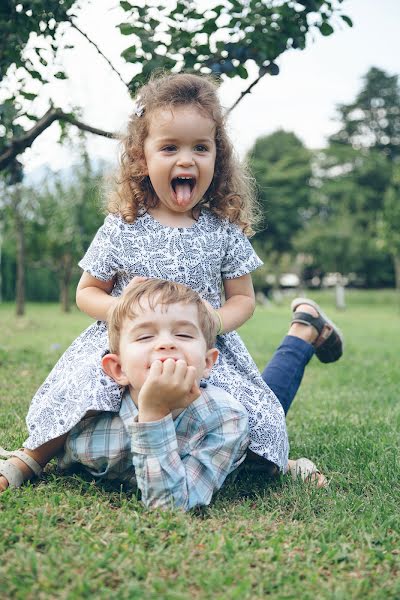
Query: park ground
x,y
65,537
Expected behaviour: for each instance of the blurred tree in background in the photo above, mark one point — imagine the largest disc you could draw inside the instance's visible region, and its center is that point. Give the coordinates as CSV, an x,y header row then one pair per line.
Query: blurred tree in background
x,y
372,121
282,167
391,221
349,220
336,209
347,201
223,39
58,222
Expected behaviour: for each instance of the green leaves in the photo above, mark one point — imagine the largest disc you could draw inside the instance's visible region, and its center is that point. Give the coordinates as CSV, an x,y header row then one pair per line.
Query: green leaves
x,y
28,95
130,54
326,29
125,5
347,20
127,28
224,37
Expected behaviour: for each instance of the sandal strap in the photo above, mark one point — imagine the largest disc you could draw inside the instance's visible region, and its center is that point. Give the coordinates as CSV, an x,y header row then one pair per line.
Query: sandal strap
x,y
11,472
303,468
307,319
28,460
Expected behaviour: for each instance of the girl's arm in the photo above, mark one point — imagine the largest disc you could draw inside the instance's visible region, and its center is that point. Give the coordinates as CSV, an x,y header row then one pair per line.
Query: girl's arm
x,y
93,296
239,302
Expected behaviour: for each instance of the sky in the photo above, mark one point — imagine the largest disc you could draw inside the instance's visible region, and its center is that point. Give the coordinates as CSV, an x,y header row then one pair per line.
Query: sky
x,y
302,98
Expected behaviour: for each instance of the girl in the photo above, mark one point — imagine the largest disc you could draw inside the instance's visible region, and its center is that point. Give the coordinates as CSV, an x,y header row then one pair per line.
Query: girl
x,y
181,211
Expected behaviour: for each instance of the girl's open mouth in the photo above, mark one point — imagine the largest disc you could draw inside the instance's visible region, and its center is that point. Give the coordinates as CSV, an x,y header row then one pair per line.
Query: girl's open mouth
x,y
182,188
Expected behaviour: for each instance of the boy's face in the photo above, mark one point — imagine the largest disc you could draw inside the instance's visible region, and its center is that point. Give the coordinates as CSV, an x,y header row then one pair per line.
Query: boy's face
x,y
168,331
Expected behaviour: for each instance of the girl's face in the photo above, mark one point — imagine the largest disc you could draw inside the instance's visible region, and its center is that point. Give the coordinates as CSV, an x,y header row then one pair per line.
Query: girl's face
x,y
180,157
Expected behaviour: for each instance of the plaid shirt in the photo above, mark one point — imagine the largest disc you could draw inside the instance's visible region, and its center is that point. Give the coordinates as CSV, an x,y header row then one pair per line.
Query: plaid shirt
x,y
178,463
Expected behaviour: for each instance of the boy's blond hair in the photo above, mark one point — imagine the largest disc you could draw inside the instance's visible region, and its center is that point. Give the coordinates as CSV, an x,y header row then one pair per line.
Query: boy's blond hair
x,y
155,292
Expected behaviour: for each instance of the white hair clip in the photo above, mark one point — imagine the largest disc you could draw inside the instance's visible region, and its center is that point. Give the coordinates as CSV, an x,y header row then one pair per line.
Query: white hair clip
x,y
138,108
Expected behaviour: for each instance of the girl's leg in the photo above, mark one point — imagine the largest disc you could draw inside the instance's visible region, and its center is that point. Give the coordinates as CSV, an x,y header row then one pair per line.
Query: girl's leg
x,y
41,455
284,372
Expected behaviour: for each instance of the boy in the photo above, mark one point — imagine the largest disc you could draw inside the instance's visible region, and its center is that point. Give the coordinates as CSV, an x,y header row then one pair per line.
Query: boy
x,y
176,441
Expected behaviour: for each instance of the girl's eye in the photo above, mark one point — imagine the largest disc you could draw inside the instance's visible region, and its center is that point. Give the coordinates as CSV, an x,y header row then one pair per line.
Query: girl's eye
x,y
184,335
201,148
144,338
169,148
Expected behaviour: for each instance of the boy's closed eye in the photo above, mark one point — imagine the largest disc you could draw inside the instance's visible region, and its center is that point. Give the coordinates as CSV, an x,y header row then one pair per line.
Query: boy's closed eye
x,y
144,337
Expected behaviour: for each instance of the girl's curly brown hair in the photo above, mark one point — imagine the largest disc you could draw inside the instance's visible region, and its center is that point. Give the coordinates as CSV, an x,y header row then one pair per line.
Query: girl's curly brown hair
x,y
231,193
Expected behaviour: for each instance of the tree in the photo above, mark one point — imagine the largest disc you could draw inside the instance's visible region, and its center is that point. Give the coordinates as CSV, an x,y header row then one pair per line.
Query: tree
x,y
281,166
372,121
348,188
350,181
391,222
48,230
223,39
67,218
17,208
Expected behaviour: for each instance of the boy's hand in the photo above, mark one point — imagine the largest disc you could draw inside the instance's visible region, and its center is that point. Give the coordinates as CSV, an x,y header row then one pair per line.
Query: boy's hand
x,y
171,384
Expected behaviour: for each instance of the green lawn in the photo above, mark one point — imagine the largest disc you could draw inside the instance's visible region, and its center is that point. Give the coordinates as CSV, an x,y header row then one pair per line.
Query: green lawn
x,y
64,537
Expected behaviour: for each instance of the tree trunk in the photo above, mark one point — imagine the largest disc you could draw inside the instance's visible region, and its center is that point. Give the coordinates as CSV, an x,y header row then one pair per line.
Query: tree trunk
x,y
65,281
396,261
20,282
339,294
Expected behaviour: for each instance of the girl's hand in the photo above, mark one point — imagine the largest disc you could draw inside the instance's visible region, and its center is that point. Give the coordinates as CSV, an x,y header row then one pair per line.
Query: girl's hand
x,y
130,285
214,315
134,281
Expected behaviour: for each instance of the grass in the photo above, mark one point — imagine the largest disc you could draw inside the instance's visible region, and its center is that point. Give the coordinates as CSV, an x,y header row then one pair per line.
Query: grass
x,y
64,537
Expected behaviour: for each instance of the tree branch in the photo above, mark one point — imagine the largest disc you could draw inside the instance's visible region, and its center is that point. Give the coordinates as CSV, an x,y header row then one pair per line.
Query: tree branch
x,y
84,127
18,145
98,50
246,91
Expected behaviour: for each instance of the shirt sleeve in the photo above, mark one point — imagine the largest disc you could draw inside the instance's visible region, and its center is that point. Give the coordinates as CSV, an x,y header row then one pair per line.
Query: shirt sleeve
x,y
101,258
240,257
168,480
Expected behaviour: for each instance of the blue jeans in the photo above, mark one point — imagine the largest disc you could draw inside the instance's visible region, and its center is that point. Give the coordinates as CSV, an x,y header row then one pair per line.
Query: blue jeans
x,y
284,372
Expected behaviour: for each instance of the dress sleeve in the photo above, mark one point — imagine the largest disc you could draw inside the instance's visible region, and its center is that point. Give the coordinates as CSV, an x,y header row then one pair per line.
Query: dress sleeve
x,y
101,258
240,257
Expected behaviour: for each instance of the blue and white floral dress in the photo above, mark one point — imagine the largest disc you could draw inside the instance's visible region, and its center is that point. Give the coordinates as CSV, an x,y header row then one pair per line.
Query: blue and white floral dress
x,y
200,256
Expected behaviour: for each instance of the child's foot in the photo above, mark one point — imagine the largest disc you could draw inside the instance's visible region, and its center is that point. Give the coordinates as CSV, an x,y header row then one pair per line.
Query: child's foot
x,y
306,470
17,469
311,324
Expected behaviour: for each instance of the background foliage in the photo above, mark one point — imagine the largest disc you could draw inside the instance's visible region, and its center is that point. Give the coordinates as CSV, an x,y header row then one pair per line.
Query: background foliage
x,y
334,209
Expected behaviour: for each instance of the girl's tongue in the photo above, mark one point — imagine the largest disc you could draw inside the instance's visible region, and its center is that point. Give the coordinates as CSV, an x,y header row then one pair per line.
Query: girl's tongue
x,y
183,192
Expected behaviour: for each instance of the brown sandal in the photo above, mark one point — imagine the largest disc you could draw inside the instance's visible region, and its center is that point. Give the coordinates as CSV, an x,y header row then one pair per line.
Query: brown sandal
x,y
329,343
